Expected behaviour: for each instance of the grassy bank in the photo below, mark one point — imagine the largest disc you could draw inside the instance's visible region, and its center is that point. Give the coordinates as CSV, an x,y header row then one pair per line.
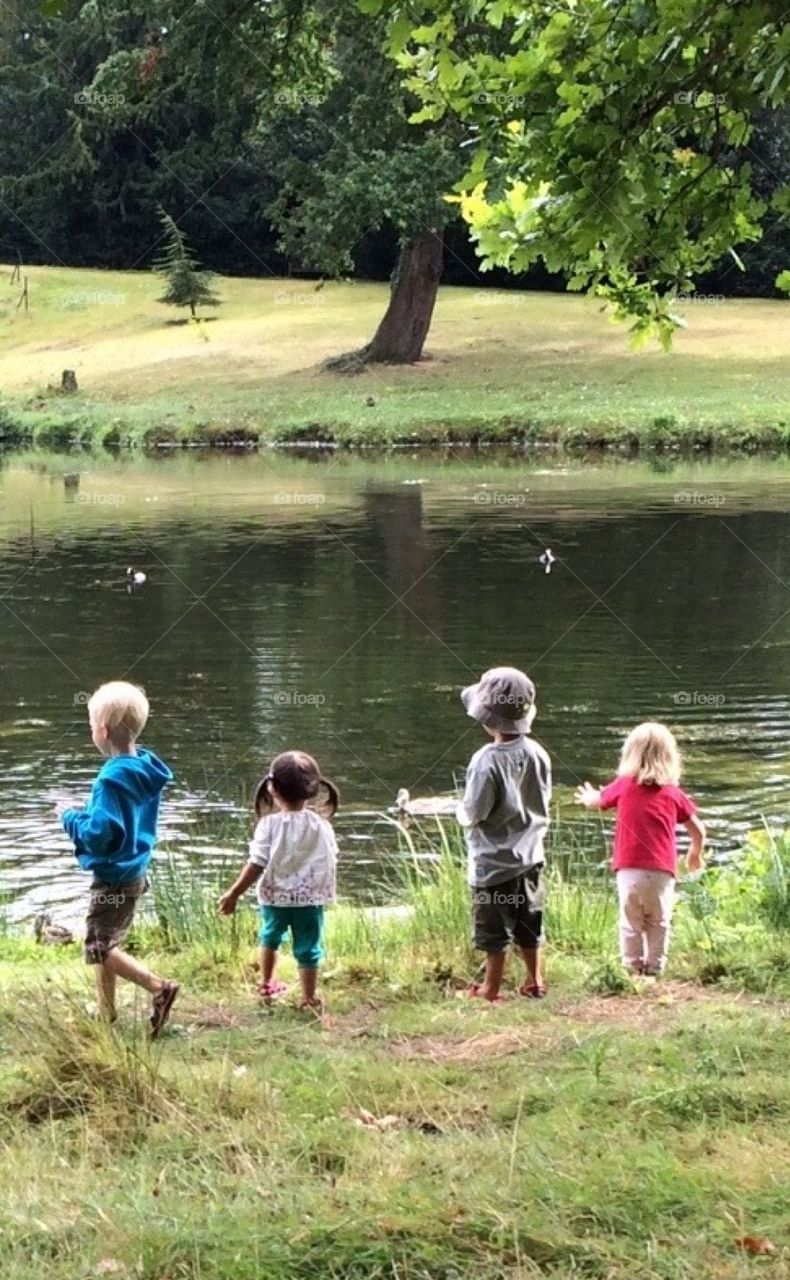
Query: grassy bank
x,y
608,1131
500,365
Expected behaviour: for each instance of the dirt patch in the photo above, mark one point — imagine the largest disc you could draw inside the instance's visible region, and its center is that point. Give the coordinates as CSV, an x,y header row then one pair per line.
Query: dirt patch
x,y
654,1005
491,1044
217,1018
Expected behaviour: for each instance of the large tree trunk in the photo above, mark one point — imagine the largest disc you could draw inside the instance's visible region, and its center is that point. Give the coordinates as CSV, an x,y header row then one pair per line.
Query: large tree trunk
x,y
404,327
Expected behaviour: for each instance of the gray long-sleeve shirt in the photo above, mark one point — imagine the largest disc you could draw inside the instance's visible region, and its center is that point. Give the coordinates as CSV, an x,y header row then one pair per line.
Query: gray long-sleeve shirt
x,y
506,809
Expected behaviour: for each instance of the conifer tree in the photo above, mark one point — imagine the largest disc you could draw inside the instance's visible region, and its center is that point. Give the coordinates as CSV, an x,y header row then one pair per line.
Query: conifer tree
x,y
187,284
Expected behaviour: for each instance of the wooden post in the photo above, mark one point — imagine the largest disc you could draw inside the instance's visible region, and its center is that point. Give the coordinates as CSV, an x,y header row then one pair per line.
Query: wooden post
x,y
68,382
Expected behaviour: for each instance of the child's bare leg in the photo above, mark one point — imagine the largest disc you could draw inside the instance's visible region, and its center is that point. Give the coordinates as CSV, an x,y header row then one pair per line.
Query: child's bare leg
x,y
119,964
494,972
532,961
268,963
308,979
105,989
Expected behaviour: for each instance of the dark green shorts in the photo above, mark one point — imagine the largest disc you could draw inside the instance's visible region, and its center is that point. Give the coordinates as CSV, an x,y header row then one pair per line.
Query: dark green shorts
x,y
509,912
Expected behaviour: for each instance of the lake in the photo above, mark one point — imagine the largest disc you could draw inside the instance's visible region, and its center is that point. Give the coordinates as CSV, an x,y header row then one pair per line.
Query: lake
x,y
338,602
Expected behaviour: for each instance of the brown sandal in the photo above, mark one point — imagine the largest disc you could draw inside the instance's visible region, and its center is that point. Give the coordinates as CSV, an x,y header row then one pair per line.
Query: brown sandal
x,y
533,990
163,1003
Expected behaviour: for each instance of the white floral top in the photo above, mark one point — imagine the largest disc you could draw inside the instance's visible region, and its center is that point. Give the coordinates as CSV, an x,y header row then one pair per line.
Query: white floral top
x,y
298,854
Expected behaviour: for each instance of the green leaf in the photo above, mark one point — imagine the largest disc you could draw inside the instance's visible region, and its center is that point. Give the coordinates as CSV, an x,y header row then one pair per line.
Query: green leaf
x,y
782,281
498,11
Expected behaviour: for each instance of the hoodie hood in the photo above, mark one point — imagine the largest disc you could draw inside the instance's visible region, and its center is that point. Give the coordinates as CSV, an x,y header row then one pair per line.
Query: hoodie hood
x,y
141,776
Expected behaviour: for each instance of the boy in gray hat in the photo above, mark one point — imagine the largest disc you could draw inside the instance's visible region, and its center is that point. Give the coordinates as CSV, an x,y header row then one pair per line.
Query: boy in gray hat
x,y
505,810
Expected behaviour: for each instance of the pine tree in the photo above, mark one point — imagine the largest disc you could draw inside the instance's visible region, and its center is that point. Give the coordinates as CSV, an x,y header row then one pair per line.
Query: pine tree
x,y
187,284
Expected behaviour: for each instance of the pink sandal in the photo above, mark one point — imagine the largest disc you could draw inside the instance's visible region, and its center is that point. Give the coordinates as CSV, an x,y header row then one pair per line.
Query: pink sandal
x,y
475,991
272,990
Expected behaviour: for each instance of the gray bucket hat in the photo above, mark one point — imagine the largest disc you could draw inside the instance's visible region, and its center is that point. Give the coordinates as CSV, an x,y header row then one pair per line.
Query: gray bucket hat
x,y
501,700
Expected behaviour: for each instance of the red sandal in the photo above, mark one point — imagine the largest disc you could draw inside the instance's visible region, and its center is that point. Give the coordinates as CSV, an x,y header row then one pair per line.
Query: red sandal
x,y
533,990
475,991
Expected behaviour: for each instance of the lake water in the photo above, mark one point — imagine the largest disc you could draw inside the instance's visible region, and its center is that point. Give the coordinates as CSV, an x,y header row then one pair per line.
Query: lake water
x,y
338,603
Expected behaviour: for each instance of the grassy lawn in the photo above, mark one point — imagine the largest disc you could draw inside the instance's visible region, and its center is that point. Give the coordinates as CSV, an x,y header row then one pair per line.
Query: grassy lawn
x,y
427,1138
613,1130
499,365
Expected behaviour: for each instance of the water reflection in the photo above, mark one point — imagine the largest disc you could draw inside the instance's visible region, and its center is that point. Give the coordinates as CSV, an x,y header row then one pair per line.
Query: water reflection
x,y
347,625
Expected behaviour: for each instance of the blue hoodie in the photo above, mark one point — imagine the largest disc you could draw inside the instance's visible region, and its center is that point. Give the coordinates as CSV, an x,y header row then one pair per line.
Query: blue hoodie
x,y
114,835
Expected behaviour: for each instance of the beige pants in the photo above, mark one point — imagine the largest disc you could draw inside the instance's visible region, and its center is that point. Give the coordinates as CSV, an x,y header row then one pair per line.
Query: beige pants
x,y
646,899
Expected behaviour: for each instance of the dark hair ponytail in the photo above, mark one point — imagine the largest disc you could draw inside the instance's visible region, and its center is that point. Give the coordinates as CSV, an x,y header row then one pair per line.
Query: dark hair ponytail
x,y
263,802
295,776
331,804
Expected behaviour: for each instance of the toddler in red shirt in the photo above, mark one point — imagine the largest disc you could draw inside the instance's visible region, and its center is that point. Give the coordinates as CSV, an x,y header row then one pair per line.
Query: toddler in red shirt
x,y
650,806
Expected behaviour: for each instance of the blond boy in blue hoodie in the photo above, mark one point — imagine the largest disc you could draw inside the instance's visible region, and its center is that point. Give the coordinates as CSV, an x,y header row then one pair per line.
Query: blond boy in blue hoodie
x,y
114,836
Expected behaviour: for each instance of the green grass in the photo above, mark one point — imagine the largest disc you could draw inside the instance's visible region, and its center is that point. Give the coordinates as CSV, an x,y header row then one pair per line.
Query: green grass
x,y
610,1131
500,365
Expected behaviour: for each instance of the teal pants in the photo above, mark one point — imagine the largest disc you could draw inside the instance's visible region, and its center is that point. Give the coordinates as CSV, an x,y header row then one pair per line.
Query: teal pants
x,y
306,925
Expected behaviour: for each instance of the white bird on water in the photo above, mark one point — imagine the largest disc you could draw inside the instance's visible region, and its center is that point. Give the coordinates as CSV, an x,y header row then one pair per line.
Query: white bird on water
x,y
425,806
135,577
547,559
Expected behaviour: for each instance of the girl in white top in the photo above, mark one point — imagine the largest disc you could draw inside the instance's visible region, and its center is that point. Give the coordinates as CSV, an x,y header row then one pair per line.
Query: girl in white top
x,y
293,856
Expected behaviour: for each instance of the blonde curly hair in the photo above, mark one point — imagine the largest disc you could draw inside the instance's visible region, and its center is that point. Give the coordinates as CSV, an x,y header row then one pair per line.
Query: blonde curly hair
x,y
650,755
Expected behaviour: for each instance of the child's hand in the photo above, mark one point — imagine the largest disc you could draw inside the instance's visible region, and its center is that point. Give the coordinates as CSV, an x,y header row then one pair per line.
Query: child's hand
x,y
695,861
588,795
227,903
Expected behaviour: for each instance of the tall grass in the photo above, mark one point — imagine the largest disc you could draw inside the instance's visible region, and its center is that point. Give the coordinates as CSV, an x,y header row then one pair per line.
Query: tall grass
x,y
733,922
776,884
184,905
81,1067
427,930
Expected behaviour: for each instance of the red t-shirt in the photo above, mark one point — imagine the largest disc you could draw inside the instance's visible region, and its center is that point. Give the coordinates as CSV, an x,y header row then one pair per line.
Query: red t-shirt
x,y
644,834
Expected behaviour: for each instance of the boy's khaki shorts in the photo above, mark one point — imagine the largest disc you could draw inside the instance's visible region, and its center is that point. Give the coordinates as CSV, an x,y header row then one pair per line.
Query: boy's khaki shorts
x,y
110,915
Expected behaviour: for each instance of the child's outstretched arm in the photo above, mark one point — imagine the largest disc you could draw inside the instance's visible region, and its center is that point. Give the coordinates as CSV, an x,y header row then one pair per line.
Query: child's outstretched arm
x,y
260,846
228,902
588,795
696,829
98,828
